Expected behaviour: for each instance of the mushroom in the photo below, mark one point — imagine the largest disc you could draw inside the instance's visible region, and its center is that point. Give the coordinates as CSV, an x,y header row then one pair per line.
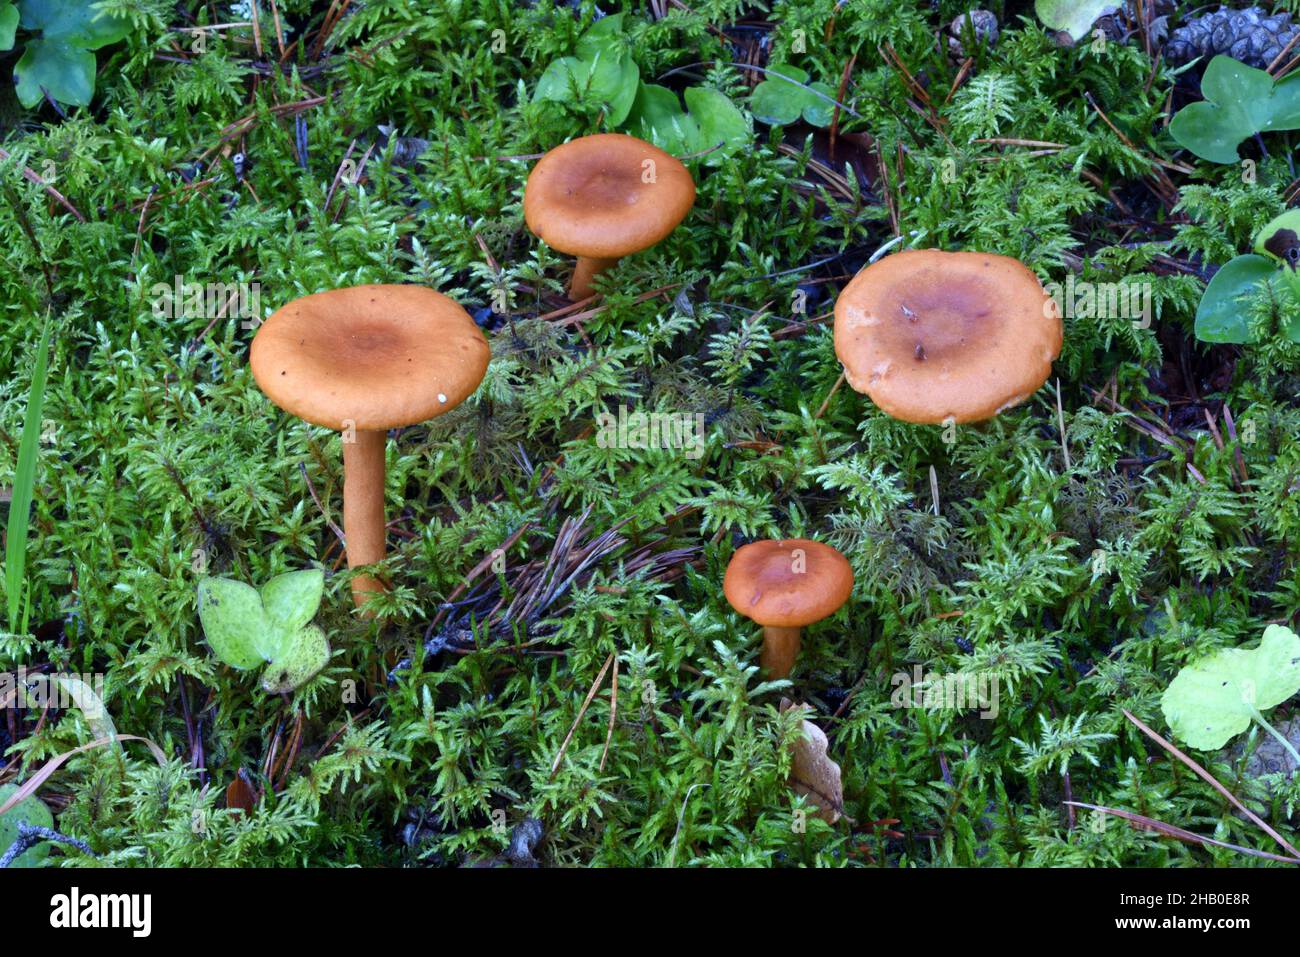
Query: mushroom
x,y
603,197
783,586
935,337
363,360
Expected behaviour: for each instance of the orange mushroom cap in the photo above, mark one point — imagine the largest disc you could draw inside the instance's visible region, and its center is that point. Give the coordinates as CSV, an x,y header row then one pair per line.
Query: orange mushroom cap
x,y
933,335
787,584
598,196
380,357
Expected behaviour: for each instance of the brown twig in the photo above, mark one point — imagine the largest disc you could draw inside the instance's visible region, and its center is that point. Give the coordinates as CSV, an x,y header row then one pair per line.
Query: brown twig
x,y
613,714
1170,830
1208,778
829,395
32,177
595,686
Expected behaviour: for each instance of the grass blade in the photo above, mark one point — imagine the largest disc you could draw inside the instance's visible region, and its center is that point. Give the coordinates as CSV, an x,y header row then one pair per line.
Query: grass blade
x,y
24,481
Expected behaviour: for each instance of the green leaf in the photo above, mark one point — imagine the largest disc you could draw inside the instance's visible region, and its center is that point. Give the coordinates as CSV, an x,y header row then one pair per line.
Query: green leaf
x,y
608,78
603,36
1212,700
620,97
8,27
779,102
65,70
304,653
1240,101
235,623
60,59
656,117
77,21
557,81
24,482
820,110
717,121
291,600
1075,17
246,628
1221,316
32,811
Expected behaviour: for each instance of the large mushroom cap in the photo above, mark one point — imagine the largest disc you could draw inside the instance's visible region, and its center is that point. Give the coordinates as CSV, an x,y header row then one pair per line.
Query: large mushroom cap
x,y
931,335
788,583
381,357
597,196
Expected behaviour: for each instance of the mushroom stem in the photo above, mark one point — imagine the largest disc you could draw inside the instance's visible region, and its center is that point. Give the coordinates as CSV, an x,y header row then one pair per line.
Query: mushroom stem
x,y
363,507
780,649
587,269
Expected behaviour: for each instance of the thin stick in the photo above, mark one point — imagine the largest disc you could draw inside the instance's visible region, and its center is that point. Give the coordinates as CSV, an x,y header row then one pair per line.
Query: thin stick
x,y
1041,144
338,174
257,27
139,230
279,33
1285,50
589,313
338,532
1210,779
32,177
595,686
1060,418
613,713
29,835
839,98
1232,434
1181,834
829,395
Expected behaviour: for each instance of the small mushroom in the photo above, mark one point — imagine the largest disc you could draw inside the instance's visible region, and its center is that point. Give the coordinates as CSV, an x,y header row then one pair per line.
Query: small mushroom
x,y
934,336
604,197
785,585
363,360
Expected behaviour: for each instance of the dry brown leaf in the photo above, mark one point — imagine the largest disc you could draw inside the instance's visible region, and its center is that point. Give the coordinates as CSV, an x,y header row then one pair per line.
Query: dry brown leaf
x,y
812,773
49,767
241,795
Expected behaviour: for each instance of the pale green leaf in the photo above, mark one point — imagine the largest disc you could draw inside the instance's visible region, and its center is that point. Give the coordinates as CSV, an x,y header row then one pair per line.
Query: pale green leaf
x,y
304,652
1215,699
291,600
1075,17
235,623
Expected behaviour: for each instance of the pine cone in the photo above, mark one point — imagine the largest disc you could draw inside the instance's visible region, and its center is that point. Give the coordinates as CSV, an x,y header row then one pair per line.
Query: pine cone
x,y
986,28
1251,36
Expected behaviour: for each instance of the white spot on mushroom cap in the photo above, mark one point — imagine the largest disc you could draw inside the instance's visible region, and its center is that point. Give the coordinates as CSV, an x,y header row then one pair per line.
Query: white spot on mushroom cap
x,y
442,398
1011,403
856,317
